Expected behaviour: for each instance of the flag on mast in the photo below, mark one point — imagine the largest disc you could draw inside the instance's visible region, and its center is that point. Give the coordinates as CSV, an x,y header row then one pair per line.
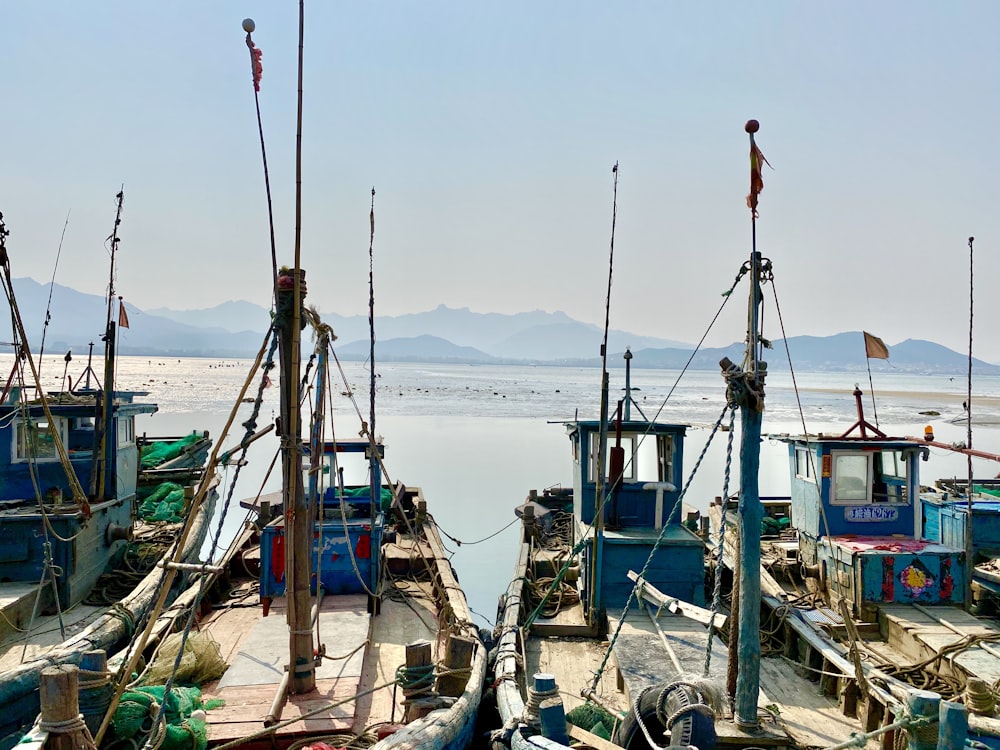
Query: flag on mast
x,y
875,347
757,161
122,315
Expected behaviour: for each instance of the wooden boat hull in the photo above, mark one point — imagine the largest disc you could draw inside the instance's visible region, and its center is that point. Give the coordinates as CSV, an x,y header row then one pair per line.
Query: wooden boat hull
x,y
108,629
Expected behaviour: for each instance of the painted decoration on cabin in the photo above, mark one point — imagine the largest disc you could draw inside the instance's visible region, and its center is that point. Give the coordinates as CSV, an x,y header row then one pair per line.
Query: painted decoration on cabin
x,y
871,513
916,578
947,582
888,578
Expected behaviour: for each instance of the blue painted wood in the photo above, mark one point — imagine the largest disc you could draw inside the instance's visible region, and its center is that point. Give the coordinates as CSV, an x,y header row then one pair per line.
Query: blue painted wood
x,y
552,716
750,514
922,703
953,728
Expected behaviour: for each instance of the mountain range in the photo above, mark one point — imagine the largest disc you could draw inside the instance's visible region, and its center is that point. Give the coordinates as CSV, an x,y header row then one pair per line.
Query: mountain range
x,y
456,335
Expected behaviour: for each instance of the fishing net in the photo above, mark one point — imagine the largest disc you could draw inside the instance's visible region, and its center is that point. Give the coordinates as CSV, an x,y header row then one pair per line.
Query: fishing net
x,y
595,719
185,729
774,526
157,453
200,663
385,495
165,502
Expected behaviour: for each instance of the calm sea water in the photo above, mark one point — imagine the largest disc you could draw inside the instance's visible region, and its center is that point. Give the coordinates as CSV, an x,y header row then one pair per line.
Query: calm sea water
x,y
478,438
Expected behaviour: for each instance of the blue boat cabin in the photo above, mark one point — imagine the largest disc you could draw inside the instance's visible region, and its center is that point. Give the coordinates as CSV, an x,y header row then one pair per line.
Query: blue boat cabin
x,y
639,511
854,504
36,498
347,534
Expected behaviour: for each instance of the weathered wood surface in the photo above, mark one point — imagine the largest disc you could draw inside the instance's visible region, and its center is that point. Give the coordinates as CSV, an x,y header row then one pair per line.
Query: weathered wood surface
x,y
813,720
654,596
919,634
574,661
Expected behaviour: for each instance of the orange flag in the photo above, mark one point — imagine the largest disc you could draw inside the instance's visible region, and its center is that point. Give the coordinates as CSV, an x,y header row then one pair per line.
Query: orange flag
x,y
757,161
122,315
875,348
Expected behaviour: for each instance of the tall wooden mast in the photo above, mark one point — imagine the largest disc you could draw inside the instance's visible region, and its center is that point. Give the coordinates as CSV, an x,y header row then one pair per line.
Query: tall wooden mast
x,y
298,522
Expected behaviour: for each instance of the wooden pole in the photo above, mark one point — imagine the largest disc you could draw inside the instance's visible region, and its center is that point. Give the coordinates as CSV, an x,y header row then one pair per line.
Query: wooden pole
x,y
418,656
298,522
458,656
60,709
953,726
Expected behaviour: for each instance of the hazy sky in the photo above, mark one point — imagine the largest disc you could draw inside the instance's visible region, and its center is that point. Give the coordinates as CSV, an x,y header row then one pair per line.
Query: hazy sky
x,y
489,131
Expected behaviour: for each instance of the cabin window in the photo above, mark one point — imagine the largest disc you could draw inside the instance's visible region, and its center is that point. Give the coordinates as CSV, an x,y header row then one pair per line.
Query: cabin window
x,y
126,430
889,484
851,478
648,458
804,464
35,439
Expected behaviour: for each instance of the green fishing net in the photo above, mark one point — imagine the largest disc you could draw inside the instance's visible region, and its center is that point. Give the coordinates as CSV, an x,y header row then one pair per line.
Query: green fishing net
x,y
595,719
156,453
165,502
200,663
385,495
774,526
137,711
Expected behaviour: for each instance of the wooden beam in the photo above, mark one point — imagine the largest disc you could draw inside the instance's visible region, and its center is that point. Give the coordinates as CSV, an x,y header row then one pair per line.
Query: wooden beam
x,y
654,596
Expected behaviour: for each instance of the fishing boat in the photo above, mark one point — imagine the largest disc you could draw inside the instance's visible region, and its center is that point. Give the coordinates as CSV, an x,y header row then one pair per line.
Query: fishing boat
x,y
88,505
862,591
334,619
605,633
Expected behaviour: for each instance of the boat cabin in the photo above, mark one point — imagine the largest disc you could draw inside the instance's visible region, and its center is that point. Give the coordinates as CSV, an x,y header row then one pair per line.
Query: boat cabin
x,y
35,494
347,534
638,511
854,505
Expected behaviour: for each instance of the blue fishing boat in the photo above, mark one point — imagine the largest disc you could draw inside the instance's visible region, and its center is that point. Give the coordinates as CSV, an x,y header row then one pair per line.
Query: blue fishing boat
x,y
88,505
607,631
863,590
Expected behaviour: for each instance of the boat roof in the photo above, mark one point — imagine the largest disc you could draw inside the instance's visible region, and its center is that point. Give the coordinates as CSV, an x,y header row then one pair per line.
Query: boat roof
x,y
79,404
633,425
866,443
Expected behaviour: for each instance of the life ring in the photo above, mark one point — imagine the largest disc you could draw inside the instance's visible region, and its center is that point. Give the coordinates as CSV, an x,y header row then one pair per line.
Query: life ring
x,y
676,710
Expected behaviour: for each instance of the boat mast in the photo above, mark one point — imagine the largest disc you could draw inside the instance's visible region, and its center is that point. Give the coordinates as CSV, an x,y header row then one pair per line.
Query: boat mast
x,y
970,563
374,475
104,456
596,604
746,389
298,522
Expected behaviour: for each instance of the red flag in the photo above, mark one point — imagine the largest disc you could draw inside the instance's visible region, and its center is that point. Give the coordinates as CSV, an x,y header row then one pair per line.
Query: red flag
x,y
255,63
875,348
757,161
122,315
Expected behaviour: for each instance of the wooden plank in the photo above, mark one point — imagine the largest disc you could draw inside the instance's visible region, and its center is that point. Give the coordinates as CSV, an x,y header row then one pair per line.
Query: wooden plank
x,y
246,706
812,719
588,738
653,595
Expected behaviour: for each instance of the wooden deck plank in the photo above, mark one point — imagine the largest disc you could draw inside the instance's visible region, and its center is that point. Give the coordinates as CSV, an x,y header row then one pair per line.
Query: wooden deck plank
x,y
246,706
574,662
392,630
812,719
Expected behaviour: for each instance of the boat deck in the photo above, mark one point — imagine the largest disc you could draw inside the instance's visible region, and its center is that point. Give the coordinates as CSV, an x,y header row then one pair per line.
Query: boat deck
x,y
559,647
257,650
657,649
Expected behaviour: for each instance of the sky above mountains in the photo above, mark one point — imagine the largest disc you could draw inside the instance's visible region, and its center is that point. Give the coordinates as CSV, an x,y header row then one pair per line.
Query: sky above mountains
x,y
489,133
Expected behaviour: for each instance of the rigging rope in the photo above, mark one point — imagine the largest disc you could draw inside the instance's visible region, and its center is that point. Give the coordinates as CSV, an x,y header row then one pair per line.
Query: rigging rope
x,y
720,546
